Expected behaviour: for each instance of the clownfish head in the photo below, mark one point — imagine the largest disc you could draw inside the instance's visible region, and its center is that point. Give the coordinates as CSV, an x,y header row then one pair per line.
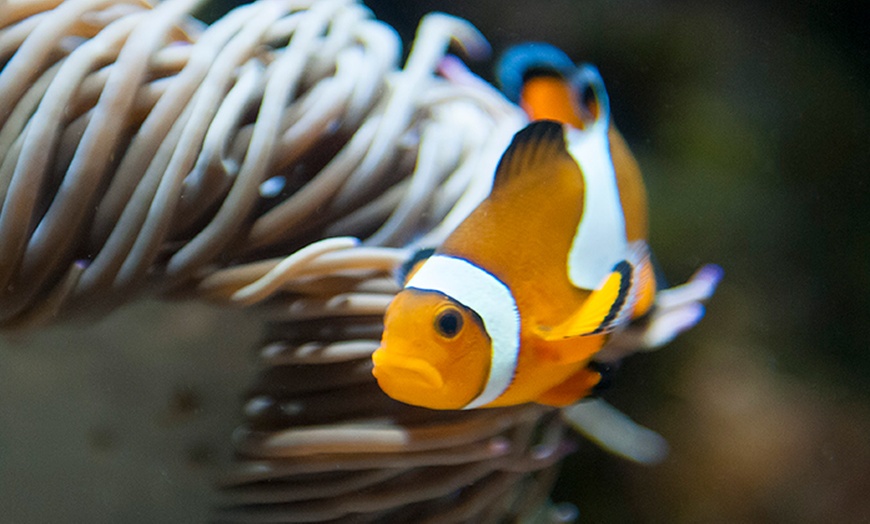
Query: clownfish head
x,y
434,351
451,337
548,86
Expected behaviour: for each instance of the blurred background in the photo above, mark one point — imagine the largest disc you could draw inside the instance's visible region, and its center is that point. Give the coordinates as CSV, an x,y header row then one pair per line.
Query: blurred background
x,y
751,122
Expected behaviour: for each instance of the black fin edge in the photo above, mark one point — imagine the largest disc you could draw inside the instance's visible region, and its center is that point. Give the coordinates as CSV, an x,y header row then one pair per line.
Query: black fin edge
x,y
625,270
408,265
538,132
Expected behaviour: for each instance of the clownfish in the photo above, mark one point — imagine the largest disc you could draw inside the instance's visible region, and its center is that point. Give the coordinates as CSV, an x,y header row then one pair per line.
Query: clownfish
x,y
517,301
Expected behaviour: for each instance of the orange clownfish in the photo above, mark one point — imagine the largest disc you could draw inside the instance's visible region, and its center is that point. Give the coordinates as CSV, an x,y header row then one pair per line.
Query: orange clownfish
x,y
514,305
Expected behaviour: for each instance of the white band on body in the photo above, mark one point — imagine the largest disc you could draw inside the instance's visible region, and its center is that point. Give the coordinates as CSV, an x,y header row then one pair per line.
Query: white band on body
x,y
600,241
493,302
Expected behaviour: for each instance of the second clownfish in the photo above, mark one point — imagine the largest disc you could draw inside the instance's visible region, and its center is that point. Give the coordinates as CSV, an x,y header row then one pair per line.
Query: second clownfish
x,y
514,305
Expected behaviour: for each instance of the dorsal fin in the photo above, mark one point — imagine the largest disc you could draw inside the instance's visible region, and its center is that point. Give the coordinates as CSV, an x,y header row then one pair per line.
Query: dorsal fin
x,y
536,145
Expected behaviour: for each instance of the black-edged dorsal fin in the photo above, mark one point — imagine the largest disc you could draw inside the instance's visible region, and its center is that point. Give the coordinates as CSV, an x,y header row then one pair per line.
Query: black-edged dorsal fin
x,y
537,144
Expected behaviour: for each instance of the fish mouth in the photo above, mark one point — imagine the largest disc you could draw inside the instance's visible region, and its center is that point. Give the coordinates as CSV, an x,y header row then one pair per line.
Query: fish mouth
x,y
389,365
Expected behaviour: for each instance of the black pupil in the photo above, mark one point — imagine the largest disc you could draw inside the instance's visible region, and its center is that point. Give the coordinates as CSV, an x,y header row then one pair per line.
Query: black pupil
x,y
449,323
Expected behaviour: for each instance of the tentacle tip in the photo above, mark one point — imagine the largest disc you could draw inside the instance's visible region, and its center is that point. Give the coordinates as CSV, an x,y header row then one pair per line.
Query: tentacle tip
x,y
542,452
272,187
666,329
654,451
710,273
258,405
452,68
347,242
564,512
463,34
474,48
499,446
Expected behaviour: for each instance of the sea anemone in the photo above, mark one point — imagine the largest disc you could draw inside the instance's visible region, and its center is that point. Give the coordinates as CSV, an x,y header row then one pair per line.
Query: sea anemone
x,y
145,153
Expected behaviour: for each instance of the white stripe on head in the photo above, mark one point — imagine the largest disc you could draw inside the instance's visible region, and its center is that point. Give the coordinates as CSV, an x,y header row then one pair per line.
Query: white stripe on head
x,y
600,241
493,302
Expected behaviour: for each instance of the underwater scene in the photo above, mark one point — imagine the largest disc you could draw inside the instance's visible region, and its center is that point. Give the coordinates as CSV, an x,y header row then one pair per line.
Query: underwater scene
x,y
436,261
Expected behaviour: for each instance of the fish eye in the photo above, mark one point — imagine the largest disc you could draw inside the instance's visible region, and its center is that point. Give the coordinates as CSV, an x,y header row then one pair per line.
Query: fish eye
x,y
591,94
589,100
448,322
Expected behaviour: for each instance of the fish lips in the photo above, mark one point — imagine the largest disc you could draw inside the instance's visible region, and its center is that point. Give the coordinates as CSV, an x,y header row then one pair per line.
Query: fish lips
x,y
390,366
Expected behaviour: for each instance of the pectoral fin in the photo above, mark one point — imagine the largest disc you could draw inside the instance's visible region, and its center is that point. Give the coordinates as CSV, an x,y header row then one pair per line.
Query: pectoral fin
x,y
604,310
